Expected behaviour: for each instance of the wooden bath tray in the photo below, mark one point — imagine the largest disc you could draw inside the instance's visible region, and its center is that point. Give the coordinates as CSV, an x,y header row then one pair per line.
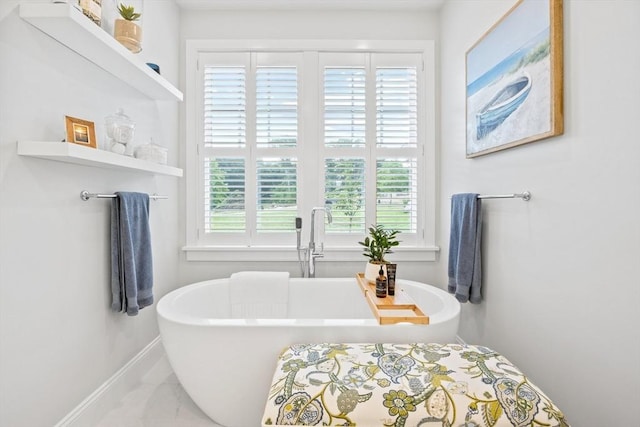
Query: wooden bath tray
x,y
391,309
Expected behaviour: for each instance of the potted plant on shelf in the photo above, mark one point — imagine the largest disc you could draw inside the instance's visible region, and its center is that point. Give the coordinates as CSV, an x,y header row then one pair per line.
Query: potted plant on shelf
x,y
378,244
126,30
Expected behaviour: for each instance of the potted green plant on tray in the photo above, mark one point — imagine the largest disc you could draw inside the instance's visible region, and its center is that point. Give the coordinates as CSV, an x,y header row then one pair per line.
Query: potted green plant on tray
x,y
378,244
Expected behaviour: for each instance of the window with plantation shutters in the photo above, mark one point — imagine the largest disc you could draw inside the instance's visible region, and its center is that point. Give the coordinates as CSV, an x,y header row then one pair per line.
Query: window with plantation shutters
x,y
276,127
370,135
397,129
280,132
224,129
224,106
250,142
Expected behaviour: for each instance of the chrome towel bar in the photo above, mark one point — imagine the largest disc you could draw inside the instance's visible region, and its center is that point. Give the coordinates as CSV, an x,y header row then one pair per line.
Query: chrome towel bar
x,y
85,195
526,196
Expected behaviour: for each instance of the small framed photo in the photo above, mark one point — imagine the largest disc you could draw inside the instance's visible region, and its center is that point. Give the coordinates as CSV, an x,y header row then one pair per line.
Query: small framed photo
x,y
81,132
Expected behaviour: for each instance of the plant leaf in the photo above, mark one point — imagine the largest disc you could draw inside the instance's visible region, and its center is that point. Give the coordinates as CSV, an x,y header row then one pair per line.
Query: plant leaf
x,y
491,412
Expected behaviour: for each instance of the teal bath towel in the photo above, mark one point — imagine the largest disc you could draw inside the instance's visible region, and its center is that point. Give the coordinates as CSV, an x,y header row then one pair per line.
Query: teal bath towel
x,y
131,258
465,241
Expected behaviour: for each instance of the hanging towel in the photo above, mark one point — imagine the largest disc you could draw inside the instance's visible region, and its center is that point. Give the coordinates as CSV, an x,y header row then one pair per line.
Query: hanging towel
x,y
259,294
131,260
465,260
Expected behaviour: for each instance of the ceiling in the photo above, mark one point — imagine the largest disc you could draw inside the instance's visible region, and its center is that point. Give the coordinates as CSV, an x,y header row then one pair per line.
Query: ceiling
x,y
398,5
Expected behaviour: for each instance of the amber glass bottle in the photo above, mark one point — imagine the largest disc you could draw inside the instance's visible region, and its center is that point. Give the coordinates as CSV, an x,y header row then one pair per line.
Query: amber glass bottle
x,y
381,284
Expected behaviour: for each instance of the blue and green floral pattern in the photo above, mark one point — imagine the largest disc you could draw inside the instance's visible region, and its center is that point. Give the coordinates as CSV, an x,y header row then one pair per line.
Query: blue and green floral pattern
x,y
397,385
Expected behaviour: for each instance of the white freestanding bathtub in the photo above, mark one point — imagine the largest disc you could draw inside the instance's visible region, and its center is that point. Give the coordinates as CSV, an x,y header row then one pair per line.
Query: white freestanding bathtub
x,y
226,365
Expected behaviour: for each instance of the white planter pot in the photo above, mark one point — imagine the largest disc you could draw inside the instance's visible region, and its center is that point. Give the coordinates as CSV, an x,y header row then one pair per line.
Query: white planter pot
x,y
371,271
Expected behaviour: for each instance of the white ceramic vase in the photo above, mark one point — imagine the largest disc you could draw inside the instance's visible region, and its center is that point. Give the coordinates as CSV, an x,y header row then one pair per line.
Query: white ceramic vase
x,y
371,271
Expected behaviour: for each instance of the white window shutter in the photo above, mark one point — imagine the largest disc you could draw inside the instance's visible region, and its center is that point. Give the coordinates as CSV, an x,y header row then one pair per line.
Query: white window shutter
x,y
224,106
344,107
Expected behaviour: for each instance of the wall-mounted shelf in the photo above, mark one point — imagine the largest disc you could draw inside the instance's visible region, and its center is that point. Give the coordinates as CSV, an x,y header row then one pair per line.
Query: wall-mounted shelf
x,y
85,156
70,27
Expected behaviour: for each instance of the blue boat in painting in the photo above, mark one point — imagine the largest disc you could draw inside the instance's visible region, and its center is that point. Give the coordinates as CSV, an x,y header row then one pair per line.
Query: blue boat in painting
x,y
505,102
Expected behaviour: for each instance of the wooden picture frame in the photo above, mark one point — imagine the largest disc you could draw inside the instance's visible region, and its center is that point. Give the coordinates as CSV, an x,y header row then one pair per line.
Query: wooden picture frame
x,y
514,79
82,132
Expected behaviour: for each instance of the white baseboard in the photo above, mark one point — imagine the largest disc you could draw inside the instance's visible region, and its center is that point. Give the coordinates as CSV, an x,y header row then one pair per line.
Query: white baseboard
x,y
92,409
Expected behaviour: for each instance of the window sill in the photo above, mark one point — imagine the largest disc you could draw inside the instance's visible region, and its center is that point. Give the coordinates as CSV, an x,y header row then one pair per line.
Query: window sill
x,y
289,254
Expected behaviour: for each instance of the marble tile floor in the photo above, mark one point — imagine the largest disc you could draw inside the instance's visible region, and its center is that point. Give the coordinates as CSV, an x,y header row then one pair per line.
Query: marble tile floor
x,y
159,401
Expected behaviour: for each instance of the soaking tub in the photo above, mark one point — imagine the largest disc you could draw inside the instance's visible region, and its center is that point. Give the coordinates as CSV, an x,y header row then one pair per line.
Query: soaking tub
x,y
226,364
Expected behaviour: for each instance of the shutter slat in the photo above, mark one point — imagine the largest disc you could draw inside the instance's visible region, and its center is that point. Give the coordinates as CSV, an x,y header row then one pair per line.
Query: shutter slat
x,y
224,106
396,107
276,194
345,194
276,106
344,107
396,193
224,197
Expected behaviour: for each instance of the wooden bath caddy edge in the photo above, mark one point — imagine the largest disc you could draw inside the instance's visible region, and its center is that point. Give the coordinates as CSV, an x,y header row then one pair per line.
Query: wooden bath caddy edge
x,y
401,301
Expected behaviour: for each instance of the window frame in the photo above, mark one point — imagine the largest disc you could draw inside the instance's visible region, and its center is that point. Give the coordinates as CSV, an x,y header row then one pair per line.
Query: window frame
x,y
422,250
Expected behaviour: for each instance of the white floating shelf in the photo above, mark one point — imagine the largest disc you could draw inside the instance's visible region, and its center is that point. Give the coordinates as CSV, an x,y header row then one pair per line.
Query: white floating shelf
x,y
86,156
70,27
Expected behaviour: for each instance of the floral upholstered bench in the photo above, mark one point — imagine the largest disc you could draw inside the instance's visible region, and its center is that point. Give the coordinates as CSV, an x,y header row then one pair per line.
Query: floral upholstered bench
x,y
371,385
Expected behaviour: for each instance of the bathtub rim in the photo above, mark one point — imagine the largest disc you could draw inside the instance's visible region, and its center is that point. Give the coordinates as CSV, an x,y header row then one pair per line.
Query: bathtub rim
x,y
451,309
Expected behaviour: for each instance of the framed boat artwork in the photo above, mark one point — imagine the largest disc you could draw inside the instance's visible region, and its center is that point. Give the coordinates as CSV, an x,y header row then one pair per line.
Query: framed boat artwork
x,y
514,79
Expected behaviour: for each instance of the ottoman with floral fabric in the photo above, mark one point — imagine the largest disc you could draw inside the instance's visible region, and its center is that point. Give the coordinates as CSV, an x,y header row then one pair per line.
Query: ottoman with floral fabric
x,y
371,385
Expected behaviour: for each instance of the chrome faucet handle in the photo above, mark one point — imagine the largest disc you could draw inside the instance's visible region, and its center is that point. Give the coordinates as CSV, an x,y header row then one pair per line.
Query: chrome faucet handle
x,y
319,251
329,216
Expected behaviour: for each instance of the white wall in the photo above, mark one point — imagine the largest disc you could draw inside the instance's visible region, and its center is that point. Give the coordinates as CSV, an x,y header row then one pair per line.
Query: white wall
x,y
559,285
59,339
560,282
313,25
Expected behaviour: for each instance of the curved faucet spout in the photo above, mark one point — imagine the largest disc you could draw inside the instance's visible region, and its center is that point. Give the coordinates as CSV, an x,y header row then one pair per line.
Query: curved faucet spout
x,y
312,236
326,211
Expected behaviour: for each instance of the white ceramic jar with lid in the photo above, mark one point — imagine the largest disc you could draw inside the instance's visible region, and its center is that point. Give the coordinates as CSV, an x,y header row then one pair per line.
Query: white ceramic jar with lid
x,y
152,152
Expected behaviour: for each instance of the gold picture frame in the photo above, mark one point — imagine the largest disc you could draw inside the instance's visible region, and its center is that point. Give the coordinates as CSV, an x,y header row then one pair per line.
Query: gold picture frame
x,y
82,132
514,79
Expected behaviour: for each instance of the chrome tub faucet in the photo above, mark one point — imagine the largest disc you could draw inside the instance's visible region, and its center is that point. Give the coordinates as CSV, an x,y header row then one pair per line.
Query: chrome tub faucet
x,y
307,255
